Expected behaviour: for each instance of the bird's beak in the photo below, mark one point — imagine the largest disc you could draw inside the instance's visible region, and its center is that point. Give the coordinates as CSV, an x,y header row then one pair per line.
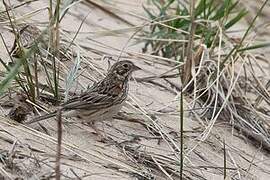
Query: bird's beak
x,y
136,68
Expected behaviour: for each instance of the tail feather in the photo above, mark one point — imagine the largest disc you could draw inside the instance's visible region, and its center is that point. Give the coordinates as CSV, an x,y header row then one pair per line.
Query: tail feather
x,y
40,118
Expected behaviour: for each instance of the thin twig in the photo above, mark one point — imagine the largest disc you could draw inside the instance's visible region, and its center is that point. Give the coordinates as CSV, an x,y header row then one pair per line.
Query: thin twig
x,y
59,142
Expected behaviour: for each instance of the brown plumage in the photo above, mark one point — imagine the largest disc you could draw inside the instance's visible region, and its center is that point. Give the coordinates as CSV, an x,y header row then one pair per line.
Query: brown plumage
x,y
103,99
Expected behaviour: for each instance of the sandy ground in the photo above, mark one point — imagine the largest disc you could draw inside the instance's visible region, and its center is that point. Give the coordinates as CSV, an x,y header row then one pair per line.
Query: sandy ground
x,y
125,149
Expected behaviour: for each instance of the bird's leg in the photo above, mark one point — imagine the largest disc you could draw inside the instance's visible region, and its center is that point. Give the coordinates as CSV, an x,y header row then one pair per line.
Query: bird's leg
x,y
92,124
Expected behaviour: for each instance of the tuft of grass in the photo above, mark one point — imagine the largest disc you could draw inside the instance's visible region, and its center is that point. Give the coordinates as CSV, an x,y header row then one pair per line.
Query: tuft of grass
x,y
30,50
21,60
206,18
215,67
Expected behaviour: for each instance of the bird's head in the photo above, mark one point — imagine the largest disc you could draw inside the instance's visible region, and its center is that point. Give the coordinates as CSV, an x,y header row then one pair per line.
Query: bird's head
x,y
123,68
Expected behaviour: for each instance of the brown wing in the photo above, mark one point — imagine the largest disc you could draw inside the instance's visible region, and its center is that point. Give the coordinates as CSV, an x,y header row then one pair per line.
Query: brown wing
x,y
102,95
89,101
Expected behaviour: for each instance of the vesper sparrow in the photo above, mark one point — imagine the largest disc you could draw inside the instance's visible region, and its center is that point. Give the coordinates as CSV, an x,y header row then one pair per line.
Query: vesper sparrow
x,y
103,100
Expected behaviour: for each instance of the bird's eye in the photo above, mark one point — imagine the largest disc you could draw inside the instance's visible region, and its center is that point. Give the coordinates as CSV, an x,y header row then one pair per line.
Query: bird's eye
x,y
125,65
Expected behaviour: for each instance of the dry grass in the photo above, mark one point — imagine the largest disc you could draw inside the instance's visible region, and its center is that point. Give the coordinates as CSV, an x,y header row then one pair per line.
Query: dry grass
x,y
222,102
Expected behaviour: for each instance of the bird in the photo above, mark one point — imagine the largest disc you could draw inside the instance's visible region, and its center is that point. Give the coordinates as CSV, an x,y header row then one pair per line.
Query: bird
x,y
102,100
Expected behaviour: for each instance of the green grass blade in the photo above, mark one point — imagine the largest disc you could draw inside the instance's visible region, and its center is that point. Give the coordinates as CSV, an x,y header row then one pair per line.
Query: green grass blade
x,y
4,84
236,19
257,46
